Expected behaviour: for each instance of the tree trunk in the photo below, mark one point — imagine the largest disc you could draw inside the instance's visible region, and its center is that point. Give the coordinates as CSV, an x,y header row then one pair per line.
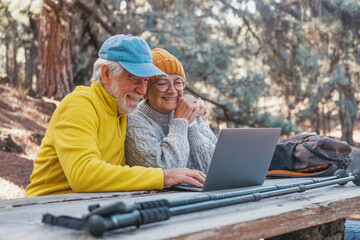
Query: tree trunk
x,y
128,10
54,51
317,119
347,122
15,81
28,75
7,45
346,114
30,55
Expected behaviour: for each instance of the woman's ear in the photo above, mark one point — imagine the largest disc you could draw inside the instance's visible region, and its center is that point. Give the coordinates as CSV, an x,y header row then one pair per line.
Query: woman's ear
x,y
148,91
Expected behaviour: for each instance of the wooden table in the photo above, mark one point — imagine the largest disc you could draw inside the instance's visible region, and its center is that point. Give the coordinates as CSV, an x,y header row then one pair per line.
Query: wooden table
x,y
21,218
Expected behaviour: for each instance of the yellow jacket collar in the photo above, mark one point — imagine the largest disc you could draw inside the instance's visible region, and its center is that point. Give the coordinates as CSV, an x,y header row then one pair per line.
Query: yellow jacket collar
x,y
109,101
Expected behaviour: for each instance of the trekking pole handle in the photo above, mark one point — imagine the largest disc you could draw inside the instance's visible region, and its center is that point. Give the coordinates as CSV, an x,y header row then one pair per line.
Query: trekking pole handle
x,y
118,207
97,225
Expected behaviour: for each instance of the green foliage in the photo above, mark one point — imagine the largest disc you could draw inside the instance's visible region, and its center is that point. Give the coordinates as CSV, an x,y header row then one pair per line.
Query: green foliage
x,y
266,120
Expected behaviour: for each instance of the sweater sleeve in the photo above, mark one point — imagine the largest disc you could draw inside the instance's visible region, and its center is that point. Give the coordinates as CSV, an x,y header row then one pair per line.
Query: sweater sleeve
x,y
76,142
202,145
205,129
146,145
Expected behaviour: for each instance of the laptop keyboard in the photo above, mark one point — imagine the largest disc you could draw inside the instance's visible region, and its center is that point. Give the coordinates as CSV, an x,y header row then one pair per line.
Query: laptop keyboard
x,y
187,186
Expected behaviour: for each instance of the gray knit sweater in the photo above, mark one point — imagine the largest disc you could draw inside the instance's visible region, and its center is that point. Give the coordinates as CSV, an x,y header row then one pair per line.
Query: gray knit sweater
x,y
158,140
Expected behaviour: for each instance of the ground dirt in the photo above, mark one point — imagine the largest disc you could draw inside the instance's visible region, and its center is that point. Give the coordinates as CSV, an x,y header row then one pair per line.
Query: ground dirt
x,y
25,120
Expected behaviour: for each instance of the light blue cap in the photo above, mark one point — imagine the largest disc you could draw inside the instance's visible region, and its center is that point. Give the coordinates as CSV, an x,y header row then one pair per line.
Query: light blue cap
x,y
133,53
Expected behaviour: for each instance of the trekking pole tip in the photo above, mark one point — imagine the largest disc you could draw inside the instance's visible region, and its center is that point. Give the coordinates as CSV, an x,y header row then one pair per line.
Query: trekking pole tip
x,y
96,225
357,177
341,173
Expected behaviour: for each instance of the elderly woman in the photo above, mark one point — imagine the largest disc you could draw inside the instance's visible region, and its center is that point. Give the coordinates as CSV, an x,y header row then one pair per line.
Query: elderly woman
x,y
168,129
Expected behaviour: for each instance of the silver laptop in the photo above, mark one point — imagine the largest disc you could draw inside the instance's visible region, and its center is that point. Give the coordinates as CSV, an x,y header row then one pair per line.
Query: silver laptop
x,y
241,158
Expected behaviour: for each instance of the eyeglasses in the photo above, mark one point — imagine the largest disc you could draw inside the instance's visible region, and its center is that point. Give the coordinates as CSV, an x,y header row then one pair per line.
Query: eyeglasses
x,y
163,85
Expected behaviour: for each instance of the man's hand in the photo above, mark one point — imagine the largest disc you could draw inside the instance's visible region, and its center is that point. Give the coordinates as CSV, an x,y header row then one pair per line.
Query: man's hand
x,y
179,175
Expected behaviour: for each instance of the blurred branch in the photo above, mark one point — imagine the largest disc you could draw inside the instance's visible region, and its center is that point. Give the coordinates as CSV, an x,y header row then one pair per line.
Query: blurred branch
x,y
171,33
228,114
335,57
241,14
286,7
53,6
237,117
91,12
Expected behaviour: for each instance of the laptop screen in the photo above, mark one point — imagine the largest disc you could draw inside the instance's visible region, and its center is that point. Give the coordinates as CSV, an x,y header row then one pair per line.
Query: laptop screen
x,y
241,158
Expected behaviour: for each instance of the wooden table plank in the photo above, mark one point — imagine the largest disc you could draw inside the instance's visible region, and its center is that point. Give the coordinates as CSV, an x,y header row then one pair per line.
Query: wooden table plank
x,y
68,197
266,218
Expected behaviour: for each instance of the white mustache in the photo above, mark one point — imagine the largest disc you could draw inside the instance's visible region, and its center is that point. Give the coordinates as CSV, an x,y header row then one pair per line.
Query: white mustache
x,y
134,95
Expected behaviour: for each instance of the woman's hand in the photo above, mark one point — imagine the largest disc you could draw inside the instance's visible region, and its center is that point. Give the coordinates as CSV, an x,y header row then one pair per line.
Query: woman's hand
x,y
203,109
190,108
185,107
199,110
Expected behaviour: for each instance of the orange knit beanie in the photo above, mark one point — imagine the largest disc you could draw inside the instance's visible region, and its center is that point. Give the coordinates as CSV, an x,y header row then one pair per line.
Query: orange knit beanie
x,y
167,63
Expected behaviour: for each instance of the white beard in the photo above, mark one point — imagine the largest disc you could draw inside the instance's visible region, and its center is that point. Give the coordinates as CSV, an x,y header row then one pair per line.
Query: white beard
x,y
123,106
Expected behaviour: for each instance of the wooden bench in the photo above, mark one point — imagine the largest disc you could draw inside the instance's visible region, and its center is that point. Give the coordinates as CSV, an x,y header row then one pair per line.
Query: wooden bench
x,y
21,218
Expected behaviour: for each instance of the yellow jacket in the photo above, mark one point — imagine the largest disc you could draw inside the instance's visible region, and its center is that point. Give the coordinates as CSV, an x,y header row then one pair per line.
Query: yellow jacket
x,y
83,149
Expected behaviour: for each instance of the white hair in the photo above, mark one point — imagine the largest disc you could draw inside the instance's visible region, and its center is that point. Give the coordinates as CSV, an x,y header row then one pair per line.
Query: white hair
x,y
115,68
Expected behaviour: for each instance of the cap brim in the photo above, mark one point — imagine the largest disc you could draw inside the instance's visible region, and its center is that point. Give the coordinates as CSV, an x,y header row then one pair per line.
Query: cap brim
x,y
142,69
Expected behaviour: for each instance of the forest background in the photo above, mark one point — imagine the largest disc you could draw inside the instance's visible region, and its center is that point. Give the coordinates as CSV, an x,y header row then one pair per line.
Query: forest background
x,y
292,64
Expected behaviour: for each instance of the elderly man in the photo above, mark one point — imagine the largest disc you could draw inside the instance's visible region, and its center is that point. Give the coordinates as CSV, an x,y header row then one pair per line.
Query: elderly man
x,y
83,148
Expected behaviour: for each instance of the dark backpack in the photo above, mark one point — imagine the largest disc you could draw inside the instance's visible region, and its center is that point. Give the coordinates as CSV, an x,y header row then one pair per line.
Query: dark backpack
x,y
308,155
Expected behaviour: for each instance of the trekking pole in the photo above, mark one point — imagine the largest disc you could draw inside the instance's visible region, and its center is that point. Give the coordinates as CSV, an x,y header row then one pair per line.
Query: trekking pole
x,y
120,207
97,225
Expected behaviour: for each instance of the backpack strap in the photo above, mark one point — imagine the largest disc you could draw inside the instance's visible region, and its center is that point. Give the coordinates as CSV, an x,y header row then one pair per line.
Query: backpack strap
x,y
316,171
341,161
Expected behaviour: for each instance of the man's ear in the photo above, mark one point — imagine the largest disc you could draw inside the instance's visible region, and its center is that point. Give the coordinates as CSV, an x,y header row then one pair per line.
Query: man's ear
x,y
105,72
